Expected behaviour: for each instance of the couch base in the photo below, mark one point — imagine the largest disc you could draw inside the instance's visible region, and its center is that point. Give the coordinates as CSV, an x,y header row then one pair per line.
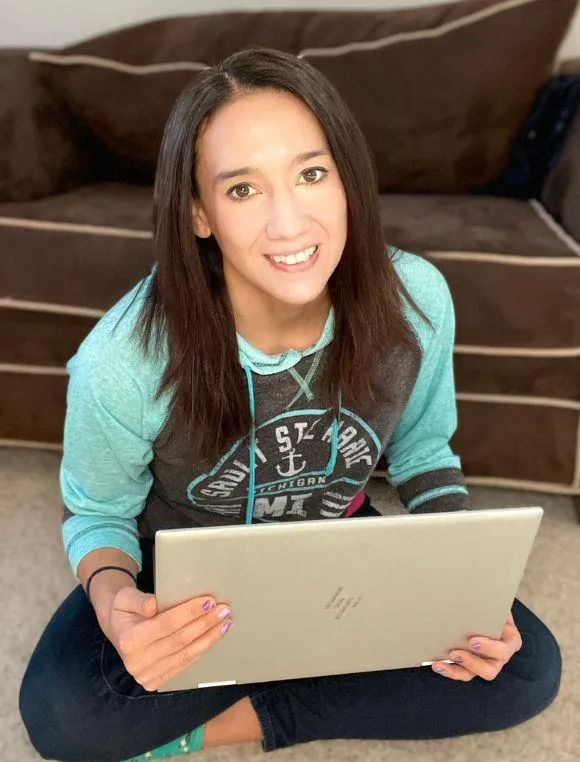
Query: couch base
x,y
513,272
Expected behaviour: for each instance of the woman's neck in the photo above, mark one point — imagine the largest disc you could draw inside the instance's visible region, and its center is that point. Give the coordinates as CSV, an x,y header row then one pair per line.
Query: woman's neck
x,y
284,326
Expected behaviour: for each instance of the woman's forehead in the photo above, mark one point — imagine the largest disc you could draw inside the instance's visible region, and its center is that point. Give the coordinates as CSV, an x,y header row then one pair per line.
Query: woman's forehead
x,y
264,126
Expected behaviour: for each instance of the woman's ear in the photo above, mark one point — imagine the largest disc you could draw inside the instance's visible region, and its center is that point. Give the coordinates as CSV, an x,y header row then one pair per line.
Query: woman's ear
x,y
201,226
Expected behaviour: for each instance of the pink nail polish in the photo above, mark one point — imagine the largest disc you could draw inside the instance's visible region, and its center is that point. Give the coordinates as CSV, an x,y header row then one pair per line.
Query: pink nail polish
x,y
208,605
475,645
226,626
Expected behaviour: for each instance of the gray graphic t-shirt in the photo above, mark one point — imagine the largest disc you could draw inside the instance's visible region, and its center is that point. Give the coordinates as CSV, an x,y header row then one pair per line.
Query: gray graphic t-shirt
x,y
298,472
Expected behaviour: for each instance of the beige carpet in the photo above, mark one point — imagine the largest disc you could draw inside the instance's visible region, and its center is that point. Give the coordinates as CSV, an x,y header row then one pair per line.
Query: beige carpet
x,y
35,578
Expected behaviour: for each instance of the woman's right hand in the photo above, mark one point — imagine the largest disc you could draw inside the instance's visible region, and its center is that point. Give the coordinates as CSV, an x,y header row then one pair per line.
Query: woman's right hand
x,y
157,647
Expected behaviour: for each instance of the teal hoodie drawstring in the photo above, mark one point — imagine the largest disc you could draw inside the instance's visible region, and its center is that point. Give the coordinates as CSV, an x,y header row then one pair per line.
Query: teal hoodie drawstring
x,y
334,440
252,486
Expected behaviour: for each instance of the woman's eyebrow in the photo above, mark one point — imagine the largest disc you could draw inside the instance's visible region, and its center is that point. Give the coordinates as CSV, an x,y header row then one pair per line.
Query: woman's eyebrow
x,y
302,157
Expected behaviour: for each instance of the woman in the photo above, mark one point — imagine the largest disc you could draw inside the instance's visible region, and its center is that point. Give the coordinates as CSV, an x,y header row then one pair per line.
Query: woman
x,y
257,374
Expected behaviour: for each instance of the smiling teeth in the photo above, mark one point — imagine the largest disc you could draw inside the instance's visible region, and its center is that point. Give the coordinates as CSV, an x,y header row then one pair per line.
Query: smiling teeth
x,y
294,259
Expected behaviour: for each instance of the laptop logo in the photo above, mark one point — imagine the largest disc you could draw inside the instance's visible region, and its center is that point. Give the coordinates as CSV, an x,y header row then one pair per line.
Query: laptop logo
x,y
340,602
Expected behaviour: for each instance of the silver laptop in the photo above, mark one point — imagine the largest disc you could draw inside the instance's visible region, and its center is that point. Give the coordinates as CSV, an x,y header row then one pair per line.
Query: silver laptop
x,y
338,596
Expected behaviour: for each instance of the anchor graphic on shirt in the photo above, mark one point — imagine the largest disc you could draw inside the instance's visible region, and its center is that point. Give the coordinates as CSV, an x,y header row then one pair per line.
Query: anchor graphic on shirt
x,y
292,471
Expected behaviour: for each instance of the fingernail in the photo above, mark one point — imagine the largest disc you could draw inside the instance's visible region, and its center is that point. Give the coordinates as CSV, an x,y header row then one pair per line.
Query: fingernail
x,y
226,626
458,659
224,613
208,605
440,670
476,644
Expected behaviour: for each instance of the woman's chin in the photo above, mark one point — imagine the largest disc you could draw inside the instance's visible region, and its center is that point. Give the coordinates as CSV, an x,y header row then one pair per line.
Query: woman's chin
x,y
302,297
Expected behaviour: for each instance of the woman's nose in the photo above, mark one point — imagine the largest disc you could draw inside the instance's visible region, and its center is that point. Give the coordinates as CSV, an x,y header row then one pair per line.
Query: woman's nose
x,y
286,217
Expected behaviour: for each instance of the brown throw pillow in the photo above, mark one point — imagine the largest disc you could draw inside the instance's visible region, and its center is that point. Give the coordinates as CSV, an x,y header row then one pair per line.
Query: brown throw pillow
x,y
40,152
439,91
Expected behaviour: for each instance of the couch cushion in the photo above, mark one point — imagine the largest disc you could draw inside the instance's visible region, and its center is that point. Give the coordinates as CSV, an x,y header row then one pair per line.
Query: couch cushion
x,y
489,224
82,249
513,272
439,91
41,149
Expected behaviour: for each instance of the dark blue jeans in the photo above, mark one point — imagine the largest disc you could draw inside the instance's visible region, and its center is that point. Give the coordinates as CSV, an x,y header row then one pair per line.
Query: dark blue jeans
x,y
78,702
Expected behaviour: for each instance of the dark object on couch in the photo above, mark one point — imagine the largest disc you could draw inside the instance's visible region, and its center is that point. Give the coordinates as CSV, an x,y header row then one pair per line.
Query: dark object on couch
x,y
540,143
80,133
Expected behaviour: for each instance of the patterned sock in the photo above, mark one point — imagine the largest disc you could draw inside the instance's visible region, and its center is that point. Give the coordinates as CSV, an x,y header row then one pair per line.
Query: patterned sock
x,y
192,741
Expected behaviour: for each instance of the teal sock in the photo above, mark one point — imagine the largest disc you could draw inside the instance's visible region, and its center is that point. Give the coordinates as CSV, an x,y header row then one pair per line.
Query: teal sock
x,y
192,741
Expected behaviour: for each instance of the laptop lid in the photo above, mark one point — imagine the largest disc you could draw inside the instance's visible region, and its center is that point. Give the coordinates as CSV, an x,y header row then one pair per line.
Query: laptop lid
x,y
339,596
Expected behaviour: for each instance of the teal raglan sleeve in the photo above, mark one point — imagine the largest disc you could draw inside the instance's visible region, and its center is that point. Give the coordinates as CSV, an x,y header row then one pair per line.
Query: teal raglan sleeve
x,y
420,462
109,430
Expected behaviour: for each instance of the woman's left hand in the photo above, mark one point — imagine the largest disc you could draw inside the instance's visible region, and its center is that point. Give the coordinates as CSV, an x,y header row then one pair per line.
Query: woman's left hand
x,y
486,657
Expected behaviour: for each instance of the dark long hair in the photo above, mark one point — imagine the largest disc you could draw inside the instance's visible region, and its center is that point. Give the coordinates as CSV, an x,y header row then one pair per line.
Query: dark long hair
x,y
186,308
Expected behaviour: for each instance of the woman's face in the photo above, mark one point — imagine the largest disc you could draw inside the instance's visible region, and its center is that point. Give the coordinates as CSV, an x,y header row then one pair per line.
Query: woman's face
x,y
271,195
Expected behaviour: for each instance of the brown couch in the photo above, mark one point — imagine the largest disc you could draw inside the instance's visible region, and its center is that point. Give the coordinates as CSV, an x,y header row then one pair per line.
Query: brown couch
x,y
439,92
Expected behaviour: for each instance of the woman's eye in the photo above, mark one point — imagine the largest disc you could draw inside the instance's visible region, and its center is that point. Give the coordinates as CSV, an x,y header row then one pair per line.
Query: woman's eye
x,y
240,192
314,174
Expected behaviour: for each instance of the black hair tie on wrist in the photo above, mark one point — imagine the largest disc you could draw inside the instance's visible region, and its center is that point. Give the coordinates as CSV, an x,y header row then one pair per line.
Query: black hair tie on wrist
x,y
104,568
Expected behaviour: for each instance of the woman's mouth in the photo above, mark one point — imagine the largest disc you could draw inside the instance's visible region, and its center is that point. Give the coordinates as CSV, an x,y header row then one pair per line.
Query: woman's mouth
x,y
295,263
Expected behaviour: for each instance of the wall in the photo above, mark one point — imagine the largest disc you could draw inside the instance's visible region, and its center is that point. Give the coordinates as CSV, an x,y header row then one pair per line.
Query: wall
x,y
53,24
